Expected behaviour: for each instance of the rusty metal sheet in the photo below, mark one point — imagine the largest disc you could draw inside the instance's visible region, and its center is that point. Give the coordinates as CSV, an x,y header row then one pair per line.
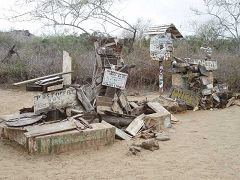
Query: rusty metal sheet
x,y
114,79
189,97
53,100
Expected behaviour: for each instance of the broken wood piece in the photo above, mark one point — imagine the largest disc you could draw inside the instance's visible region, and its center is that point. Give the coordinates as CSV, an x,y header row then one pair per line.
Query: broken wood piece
x,y
117,121
120,133
116,108
136,125
104,101
174,119
133,104
84,122
40,78
103,109
84,100
123,101
230,102
19,120
157,107
67,67
39,130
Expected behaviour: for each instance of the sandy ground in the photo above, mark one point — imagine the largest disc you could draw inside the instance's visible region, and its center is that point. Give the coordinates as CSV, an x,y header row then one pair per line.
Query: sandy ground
x,y
205,145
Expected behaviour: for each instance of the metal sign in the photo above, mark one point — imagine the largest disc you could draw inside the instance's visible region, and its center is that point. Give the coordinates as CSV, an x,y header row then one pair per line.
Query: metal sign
x,y
189,97
114,79
53,100
160,46
210,65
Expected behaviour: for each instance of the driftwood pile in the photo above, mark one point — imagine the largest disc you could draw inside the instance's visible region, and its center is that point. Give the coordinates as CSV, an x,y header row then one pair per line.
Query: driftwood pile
x,y
193,82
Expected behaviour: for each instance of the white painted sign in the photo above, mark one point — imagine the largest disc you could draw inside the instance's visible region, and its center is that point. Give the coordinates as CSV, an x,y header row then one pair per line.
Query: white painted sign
x,y
160,47
114,79
52,100
210,65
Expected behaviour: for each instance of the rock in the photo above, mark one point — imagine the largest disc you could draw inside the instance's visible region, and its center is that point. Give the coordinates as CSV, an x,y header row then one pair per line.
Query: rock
x,y
134,150
162,137
150,144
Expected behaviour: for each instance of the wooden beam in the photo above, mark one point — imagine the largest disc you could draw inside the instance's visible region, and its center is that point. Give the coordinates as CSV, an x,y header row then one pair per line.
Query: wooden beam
x,y
40,78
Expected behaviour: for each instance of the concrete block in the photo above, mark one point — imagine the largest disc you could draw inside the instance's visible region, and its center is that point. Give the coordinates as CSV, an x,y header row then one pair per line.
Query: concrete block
x,y
16,135
159,121
99,135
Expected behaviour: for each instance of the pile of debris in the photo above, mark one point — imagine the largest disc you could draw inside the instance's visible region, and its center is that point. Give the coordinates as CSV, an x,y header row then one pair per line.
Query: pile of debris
x,y
82,116
193,82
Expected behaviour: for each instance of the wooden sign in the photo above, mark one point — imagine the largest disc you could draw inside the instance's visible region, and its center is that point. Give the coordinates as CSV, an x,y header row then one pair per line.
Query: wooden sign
x,y
210,65
160,46
189,97
53,100
114,79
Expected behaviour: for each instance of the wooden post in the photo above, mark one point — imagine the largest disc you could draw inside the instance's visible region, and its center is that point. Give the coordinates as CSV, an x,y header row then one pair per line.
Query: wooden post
x,y
160,77
67,66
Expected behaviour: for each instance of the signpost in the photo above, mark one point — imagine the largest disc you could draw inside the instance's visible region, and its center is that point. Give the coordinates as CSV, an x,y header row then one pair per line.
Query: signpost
x,y
114,79
53,100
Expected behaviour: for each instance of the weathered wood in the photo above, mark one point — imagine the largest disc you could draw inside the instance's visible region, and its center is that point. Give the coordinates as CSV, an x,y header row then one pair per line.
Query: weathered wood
x,y
50,101
102,109
48,80
67,67
18,120
117,121
110,92
40,78
136,125
116,108
114,79
45,129
104,101
133,104
84,100
120,133
189,97
157,107
54,87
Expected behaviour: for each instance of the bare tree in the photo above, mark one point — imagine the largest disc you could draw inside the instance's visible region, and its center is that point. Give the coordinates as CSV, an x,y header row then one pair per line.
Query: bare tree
x,y
227,15
73,13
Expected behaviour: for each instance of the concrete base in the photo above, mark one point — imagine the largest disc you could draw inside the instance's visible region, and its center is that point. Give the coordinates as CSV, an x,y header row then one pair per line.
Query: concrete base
x,y
159,121
100,135
16,135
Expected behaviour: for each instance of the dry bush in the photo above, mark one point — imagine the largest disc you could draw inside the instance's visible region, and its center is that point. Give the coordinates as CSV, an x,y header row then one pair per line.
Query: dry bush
x,y
145,74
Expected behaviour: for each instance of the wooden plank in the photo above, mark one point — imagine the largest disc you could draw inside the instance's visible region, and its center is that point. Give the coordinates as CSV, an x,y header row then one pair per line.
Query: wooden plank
x,y
104,101
133,104
53,100
54,87
84,100
39,130
67,67
48,80
120,133
116,108
18,122
157,107
136,125
114,79
40,78
189,97
210,65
